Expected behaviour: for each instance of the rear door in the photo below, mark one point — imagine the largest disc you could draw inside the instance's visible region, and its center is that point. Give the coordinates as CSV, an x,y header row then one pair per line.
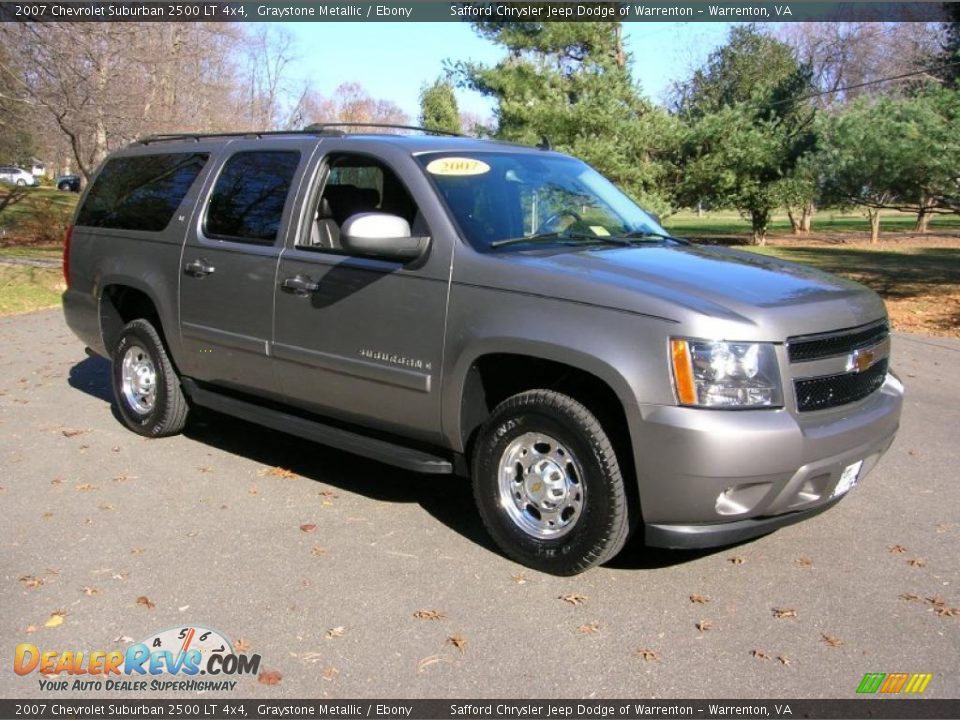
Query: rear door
x,y
229,263
366,343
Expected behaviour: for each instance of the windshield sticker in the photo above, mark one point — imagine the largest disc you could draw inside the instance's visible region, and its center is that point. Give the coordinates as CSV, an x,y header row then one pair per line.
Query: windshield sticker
x,y
457,166
600,230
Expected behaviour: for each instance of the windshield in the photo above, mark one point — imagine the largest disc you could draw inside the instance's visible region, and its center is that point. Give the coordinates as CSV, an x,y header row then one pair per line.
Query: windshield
x,y
502,199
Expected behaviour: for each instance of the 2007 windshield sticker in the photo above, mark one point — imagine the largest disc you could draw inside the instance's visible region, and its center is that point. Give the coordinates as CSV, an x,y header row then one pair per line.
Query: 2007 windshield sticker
x,y
457,166
153,664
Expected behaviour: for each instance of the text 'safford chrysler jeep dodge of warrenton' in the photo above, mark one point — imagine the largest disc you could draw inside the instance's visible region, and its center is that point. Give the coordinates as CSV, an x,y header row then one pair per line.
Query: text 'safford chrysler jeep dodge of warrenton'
x,y
450,305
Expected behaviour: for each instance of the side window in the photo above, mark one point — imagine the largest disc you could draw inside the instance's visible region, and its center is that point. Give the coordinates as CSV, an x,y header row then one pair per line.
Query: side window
x,y
141,192
249,196
356,184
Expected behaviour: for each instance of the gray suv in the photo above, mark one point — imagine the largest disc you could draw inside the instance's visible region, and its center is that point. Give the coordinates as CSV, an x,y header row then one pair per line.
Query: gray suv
x,y
450,305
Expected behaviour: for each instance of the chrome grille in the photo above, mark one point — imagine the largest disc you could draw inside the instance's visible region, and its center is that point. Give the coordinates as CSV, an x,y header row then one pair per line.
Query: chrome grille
x,y
814,347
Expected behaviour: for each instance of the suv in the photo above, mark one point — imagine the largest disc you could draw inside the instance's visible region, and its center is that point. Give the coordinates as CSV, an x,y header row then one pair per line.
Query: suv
x,y
451,305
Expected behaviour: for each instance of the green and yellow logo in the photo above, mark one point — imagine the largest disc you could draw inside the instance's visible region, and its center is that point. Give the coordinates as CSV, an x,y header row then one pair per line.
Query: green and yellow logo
x,y
914,683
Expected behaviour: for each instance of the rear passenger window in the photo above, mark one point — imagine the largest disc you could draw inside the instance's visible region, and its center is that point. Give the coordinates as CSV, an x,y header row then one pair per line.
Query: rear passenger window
x,y
248,199
142,192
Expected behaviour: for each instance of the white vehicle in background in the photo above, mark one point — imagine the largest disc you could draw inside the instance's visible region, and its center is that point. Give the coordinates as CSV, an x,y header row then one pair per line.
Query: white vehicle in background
x,y
17,176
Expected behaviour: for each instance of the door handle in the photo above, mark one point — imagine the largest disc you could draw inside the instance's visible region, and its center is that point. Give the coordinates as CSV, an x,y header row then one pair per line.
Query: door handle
x,y
198,268
299,285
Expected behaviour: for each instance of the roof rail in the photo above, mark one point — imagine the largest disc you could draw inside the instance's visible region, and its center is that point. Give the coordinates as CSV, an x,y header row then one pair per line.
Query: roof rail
x,y
314,129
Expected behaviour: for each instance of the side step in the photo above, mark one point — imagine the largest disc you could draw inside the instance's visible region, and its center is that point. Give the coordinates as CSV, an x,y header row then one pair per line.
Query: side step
x,y
351,442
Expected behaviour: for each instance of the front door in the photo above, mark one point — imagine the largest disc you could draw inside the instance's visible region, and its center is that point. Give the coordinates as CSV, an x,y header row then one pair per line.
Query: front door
x,y
357,338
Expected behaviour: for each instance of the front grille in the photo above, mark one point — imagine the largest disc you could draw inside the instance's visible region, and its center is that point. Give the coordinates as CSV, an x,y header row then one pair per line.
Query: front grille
x,y
831,345
834,390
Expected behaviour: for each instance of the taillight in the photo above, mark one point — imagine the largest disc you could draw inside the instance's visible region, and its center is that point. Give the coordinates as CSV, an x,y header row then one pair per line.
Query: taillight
x,y
66,255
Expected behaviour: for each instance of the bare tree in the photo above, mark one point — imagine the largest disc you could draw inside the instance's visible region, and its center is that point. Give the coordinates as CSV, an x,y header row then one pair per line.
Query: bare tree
x,y
351,103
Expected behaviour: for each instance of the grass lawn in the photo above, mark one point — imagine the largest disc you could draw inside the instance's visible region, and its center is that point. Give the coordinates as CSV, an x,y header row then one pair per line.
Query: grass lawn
x,y
23,289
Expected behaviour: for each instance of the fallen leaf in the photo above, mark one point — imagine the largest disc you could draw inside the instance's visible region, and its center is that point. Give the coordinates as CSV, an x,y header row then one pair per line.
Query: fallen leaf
x,y
327,493
783,659
146,602
431,660
90,591
72,432
936,601
205,468
87,487
458,641
253,490
944,611
125,639
123,477
700,599
781,613
917,562
31,629
335,632
138,551
831,640
429,615
736,560
329,673
56,481
107,507
47,515
55,619
52,571
647,654
519,578
759,654
269,677
910,597
241,645
318,551
591,628
280,472
32,582
896,549
804,561
704,625
308,657
574,598
308,527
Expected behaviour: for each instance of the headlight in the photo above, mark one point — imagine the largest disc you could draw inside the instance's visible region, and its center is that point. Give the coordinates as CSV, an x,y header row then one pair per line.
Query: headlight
x,y
725,374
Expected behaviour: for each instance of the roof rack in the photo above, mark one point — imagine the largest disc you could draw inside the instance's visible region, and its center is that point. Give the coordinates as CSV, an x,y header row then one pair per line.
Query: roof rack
x,y
314,129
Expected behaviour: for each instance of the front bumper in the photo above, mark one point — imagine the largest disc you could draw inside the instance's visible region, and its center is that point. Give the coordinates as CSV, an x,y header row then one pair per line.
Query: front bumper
x,y
715,477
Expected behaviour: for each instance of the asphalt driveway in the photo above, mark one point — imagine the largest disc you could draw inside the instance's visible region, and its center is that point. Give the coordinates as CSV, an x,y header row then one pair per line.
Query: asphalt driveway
x,y
354,579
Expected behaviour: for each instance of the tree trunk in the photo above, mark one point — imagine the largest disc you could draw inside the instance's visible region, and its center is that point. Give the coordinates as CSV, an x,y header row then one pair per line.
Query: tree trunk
x,y
923,216
806,218
759,219
795,222
874,215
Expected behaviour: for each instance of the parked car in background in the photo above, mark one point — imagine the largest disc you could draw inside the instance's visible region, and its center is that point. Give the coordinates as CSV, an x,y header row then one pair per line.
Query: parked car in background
x,y
17,176
68,182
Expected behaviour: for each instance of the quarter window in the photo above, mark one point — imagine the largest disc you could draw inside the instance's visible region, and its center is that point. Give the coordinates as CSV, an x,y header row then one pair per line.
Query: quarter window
x,y
250,194
141,192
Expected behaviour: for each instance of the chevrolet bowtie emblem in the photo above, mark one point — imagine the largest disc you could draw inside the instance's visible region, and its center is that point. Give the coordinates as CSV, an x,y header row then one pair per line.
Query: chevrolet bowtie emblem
x,y
859,360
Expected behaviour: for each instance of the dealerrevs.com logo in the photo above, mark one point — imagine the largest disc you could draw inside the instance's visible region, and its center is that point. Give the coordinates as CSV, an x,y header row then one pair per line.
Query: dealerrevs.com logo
x,y
183,653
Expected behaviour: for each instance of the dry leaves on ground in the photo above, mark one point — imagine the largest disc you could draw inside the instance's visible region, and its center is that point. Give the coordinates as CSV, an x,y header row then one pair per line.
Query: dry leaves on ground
x,y
280,472
736,560
700,599
269,677
704,625
308,527
831,640
90,591
647,654
917,562
241,645
781,613
804,562
783,660
574,598
896,549
146,602
335,632
760,654
32,582
73,432
55,619
910,597
429,615
519,578
591,628
329,673
458,641
87,487
318,551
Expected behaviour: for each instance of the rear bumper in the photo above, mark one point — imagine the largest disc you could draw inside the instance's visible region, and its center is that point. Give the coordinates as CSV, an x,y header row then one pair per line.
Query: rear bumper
x,y
709,478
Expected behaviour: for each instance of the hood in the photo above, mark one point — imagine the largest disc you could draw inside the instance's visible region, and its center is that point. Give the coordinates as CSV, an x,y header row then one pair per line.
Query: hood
x,y
696,285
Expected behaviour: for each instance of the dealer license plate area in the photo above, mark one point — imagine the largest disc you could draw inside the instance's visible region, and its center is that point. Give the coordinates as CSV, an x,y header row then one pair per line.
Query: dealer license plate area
x,y
848,478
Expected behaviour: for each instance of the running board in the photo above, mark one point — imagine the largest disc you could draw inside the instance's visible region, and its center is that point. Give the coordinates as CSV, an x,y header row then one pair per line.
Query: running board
x,y
351,442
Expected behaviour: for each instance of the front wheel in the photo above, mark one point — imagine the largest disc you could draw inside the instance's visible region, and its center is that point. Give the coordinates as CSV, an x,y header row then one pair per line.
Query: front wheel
x,y
145,383
547,484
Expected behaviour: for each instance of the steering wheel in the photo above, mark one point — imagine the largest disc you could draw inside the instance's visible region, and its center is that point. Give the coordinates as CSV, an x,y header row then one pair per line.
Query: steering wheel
x,y
547,225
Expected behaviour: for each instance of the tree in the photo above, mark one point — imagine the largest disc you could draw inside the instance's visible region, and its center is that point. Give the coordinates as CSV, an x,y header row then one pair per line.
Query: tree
x,y
438,107
569,83
16,137
351,103
750,124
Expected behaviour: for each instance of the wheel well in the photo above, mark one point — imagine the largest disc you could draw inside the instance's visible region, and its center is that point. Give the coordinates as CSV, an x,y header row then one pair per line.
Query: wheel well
x,y
120,304
493,378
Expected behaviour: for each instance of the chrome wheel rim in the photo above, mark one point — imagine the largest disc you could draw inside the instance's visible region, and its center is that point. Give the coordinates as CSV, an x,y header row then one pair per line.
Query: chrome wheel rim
x,y
138,378
541,486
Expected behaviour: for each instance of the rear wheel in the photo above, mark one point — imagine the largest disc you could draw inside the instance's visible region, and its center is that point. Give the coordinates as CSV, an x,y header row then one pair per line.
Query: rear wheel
x,y
547,484
145,383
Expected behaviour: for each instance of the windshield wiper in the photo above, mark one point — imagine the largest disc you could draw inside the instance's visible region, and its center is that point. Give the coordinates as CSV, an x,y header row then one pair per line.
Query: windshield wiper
x,y
649,235
574,238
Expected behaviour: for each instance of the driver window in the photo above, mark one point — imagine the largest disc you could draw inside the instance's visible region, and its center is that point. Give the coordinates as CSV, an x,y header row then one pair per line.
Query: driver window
x,y
356,184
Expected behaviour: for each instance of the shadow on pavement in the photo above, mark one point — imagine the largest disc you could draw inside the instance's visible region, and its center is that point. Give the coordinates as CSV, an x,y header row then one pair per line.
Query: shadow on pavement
x,y
447,498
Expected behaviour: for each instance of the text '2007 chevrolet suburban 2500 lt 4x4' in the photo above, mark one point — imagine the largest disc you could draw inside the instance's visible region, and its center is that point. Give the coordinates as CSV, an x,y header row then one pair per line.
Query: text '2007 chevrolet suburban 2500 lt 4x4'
x,y
451,305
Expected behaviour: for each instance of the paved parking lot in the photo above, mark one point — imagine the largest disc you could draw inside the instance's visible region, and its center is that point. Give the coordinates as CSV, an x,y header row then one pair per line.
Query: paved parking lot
x,y
320,561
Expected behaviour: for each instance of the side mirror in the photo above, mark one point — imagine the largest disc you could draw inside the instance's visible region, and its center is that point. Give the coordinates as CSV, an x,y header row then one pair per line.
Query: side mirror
x,y
381,235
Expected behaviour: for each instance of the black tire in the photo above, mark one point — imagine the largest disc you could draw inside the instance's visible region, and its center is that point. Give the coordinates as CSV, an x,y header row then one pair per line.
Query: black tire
x,y
602,522
63,187
167,413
